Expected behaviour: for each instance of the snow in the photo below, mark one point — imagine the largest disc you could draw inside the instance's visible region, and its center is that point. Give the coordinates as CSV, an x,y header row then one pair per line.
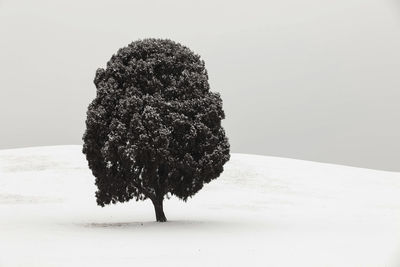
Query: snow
x,y
262,211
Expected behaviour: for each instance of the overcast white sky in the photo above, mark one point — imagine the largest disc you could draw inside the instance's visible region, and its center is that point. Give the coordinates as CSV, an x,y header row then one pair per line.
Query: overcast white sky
x,y
315,80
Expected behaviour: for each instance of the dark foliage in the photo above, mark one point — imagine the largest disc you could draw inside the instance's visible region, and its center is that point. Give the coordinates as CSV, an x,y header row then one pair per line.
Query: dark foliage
x,y
154,128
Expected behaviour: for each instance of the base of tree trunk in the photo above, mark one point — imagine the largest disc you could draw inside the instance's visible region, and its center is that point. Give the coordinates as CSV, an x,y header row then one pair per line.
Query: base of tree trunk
x,y
158,207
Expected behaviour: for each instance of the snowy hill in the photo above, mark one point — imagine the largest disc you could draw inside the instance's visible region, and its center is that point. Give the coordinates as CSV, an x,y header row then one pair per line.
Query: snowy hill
x,y
262,211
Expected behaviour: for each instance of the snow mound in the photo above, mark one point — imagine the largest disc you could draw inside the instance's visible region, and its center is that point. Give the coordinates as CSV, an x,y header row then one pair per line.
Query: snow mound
x,y
262,211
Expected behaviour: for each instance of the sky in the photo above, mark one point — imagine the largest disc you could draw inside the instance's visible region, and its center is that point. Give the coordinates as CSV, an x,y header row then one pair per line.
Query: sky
x,y
313,80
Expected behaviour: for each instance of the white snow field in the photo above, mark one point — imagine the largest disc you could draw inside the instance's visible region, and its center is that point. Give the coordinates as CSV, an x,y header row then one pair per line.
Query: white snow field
x,y
262,211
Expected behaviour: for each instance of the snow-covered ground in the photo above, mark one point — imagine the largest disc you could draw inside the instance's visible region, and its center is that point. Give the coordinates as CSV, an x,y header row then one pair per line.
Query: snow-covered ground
x,y
262,211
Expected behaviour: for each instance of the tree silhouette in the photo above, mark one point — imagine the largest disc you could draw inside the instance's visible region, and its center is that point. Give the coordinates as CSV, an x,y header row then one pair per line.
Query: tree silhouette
x,y
154,128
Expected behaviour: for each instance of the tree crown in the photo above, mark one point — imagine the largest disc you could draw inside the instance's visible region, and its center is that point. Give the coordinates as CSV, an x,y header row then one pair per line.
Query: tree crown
x,y
154,126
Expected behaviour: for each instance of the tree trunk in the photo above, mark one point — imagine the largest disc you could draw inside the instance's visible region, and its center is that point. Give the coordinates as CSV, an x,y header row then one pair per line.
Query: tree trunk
x,y
158,207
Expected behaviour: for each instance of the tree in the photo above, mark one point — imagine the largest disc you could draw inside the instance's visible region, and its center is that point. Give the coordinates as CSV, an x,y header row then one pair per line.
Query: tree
x,y
154,128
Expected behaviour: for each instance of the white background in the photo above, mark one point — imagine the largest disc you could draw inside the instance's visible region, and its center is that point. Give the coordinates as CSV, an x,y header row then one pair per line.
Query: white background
x,y
315,80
